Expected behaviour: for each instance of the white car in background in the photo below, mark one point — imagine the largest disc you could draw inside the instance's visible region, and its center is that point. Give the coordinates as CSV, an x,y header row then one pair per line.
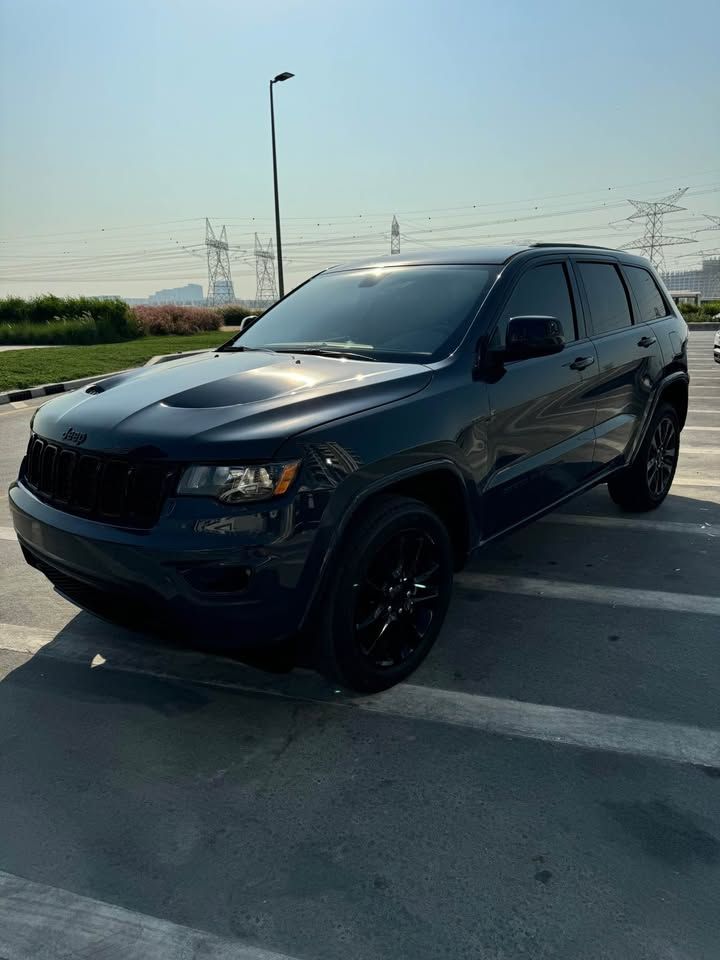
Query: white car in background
x,y
716,343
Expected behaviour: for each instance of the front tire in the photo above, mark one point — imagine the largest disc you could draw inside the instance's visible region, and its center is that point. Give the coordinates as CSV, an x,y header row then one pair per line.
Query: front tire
x,y
645,484
387,601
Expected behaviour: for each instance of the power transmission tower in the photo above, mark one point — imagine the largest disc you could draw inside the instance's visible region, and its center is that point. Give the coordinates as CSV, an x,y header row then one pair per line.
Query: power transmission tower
x,y
220,285
652,241
715,221
265,289
395,236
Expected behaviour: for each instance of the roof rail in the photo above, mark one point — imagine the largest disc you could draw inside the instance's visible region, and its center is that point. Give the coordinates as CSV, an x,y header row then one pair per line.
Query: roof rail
x,y
581,246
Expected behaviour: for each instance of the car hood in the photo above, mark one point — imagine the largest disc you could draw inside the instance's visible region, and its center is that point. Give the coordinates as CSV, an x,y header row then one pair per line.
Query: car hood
x,y
227,404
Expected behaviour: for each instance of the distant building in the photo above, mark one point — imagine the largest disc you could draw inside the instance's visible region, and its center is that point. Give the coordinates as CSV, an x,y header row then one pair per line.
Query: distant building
x,y
705,281
685,296
191,293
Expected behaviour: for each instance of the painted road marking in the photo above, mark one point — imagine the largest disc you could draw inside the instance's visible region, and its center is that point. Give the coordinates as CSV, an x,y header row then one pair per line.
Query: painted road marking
x,y
622,523
699,428
618,734
7,533
692,448
593,593
38,922
689,482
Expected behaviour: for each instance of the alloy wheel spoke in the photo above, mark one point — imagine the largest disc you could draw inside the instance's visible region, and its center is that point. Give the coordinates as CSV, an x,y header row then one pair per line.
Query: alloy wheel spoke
x,y
426,574
373,618
377,639
424,597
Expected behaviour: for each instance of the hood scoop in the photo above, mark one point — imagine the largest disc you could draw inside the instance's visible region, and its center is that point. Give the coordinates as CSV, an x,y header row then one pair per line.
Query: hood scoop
x,y
251,386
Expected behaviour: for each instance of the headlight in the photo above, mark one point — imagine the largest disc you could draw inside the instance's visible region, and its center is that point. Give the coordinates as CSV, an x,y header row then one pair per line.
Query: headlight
x,y
238,484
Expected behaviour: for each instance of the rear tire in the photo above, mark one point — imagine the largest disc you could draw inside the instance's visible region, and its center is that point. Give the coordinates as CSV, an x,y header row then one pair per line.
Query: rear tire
x,y
646,482
386,602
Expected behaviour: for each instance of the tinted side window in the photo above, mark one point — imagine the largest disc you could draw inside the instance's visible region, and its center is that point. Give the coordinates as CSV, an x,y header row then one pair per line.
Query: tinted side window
x,y
609,307
651,303
542,291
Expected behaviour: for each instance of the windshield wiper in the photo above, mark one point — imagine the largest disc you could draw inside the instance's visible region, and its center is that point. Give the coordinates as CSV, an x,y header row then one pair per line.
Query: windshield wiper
x,y
325,352
241,349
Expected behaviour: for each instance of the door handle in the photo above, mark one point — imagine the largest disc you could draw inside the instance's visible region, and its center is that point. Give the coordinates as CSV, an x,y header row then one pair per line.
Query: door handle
x,y
646,341
579,363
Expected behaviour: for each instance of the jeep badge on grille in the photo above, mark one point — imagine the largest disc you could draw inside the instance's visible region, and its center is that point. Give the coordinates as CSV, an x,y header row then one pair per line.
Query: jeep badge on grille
x,y
74,436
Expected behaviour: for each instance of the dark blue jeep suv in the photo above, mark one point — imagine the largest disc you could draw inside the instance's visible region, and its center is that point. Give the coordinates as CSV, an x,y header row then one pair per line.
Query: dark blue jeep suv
x,y
320,477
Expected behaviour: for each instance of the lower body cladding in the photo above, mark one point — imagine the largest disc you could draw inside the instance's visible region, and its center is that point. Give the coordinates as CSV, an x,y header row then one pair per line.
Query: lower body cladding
x,y
231,582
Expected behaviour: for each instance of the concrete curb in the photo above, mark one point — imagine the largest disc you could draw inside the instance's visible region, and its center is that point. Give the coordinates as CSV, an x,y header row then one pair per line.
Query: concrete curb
x,y
48,389
710,327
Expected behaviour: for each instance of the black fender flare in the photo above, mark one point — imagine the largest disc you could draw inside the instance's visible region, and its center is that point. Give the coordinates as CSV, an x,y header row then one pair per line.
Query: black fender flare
x,y
677,376
320,571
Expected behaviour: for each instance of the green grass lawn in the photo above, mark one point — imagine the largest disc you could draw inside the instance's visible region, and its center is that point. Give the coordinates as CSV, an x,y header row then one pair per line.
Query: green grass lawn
x,y
31,368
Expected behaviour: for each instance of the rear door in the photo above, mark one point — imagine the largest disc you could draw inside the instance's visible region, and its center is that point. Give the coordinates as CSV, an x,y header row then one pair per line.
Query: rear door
x,y
630,361
541,431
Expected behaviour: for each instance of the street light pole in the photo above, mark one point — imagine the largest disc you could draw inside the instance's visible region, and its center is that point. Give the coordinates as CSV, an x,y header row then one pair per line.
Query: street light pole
x,y
278,242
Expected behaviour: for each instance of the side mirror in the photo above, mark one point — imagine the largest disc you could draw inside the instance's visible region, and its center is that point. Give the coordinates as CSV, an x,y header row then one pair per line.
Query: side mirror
x,y
533,337
247,322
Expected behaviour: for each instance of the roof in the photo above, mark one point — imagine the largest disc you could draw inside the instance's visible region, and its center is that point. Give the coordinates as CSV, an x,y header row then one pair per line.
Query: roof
x,y
494,255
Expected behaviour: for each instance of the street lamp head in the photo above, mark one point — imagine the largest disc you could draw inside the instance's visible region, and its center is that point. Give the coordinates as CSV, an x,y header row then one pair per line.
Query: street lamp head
x,y
282,76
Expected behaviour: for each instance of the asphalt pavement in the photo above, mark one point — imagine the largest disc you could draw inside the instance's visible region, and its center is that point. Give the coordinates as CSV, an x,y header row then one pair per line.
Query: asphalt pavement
x,y
546,786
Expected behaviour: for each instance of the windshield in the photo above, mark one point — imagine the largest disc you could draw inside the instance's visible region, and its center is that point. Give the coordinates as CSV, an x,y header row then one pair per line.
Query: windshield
x,y
397,313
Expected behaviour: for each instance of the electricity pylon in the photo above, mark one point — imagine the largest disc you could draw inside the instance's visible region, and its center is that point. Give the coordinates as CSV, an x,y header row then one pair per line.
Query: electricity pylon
x,y
220,286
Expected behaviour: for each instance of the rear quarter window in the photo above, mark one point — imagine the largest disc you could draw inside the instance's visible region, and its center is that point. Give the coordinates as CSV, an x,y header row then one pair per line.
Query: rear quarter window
x,y
650,301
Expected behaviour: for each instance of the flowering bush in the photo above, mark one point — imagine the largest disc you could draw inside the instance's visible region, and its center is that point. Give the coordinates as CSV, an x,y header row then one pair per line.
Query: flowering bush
x,y
168,318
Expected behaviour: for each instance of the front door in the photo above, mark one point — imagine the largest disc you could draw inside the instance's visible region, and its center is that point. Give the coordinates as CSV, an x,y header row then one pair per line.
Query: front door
x,y
541,430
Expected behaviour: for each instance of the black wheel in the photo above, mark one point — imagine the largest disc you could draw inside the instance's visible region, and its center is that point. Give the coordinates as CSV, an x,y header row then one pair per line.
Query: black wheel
x,y
645,484
386,604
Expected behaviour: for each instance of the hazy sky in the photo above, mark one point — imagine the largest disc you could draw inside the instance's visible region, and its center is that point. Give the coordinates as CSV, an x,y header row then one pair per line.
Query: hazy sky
x,y
473,121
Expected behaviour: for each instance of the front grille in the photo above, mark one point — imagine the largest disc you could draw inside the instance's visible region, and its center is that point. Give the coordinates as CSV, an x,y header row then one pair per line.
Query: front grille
x,y
122,491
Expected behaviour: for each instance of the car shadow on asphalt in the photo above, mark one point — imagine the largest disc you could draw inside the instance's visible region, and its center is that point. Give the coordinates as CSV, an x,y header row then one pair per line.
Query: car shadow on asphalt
x,y
110,664
481,649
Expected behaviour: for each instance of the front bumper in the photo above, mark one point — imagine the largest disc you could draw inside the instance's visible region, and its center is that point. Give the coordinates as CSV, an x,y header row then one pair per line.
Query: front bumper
x,y
232,581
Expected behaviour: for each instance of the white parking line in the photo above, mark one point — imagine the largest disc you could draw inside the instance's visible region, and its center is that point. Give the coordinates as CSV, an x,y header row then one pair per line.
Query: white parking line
x,y
607,732
593,593
700,428
690,482
704,451
633,523
38,922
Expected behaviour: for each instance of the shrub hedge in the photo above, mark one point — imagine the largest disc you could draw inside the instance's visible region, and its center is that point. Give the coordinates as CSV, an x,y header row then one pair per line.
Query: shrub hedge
x,y
233,314
50,319
83,320
700,314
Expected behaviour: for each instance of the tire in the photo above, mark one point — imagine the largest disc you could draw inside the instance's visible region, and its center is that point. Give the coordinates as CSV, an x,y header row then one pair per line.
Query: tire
x,y
386,603
646,482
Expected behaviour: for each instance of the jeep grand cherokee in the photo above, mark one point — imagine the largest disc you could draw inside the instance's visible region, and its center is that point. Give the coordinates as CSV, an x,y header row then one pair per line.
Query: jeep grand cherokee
x,y
324,473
